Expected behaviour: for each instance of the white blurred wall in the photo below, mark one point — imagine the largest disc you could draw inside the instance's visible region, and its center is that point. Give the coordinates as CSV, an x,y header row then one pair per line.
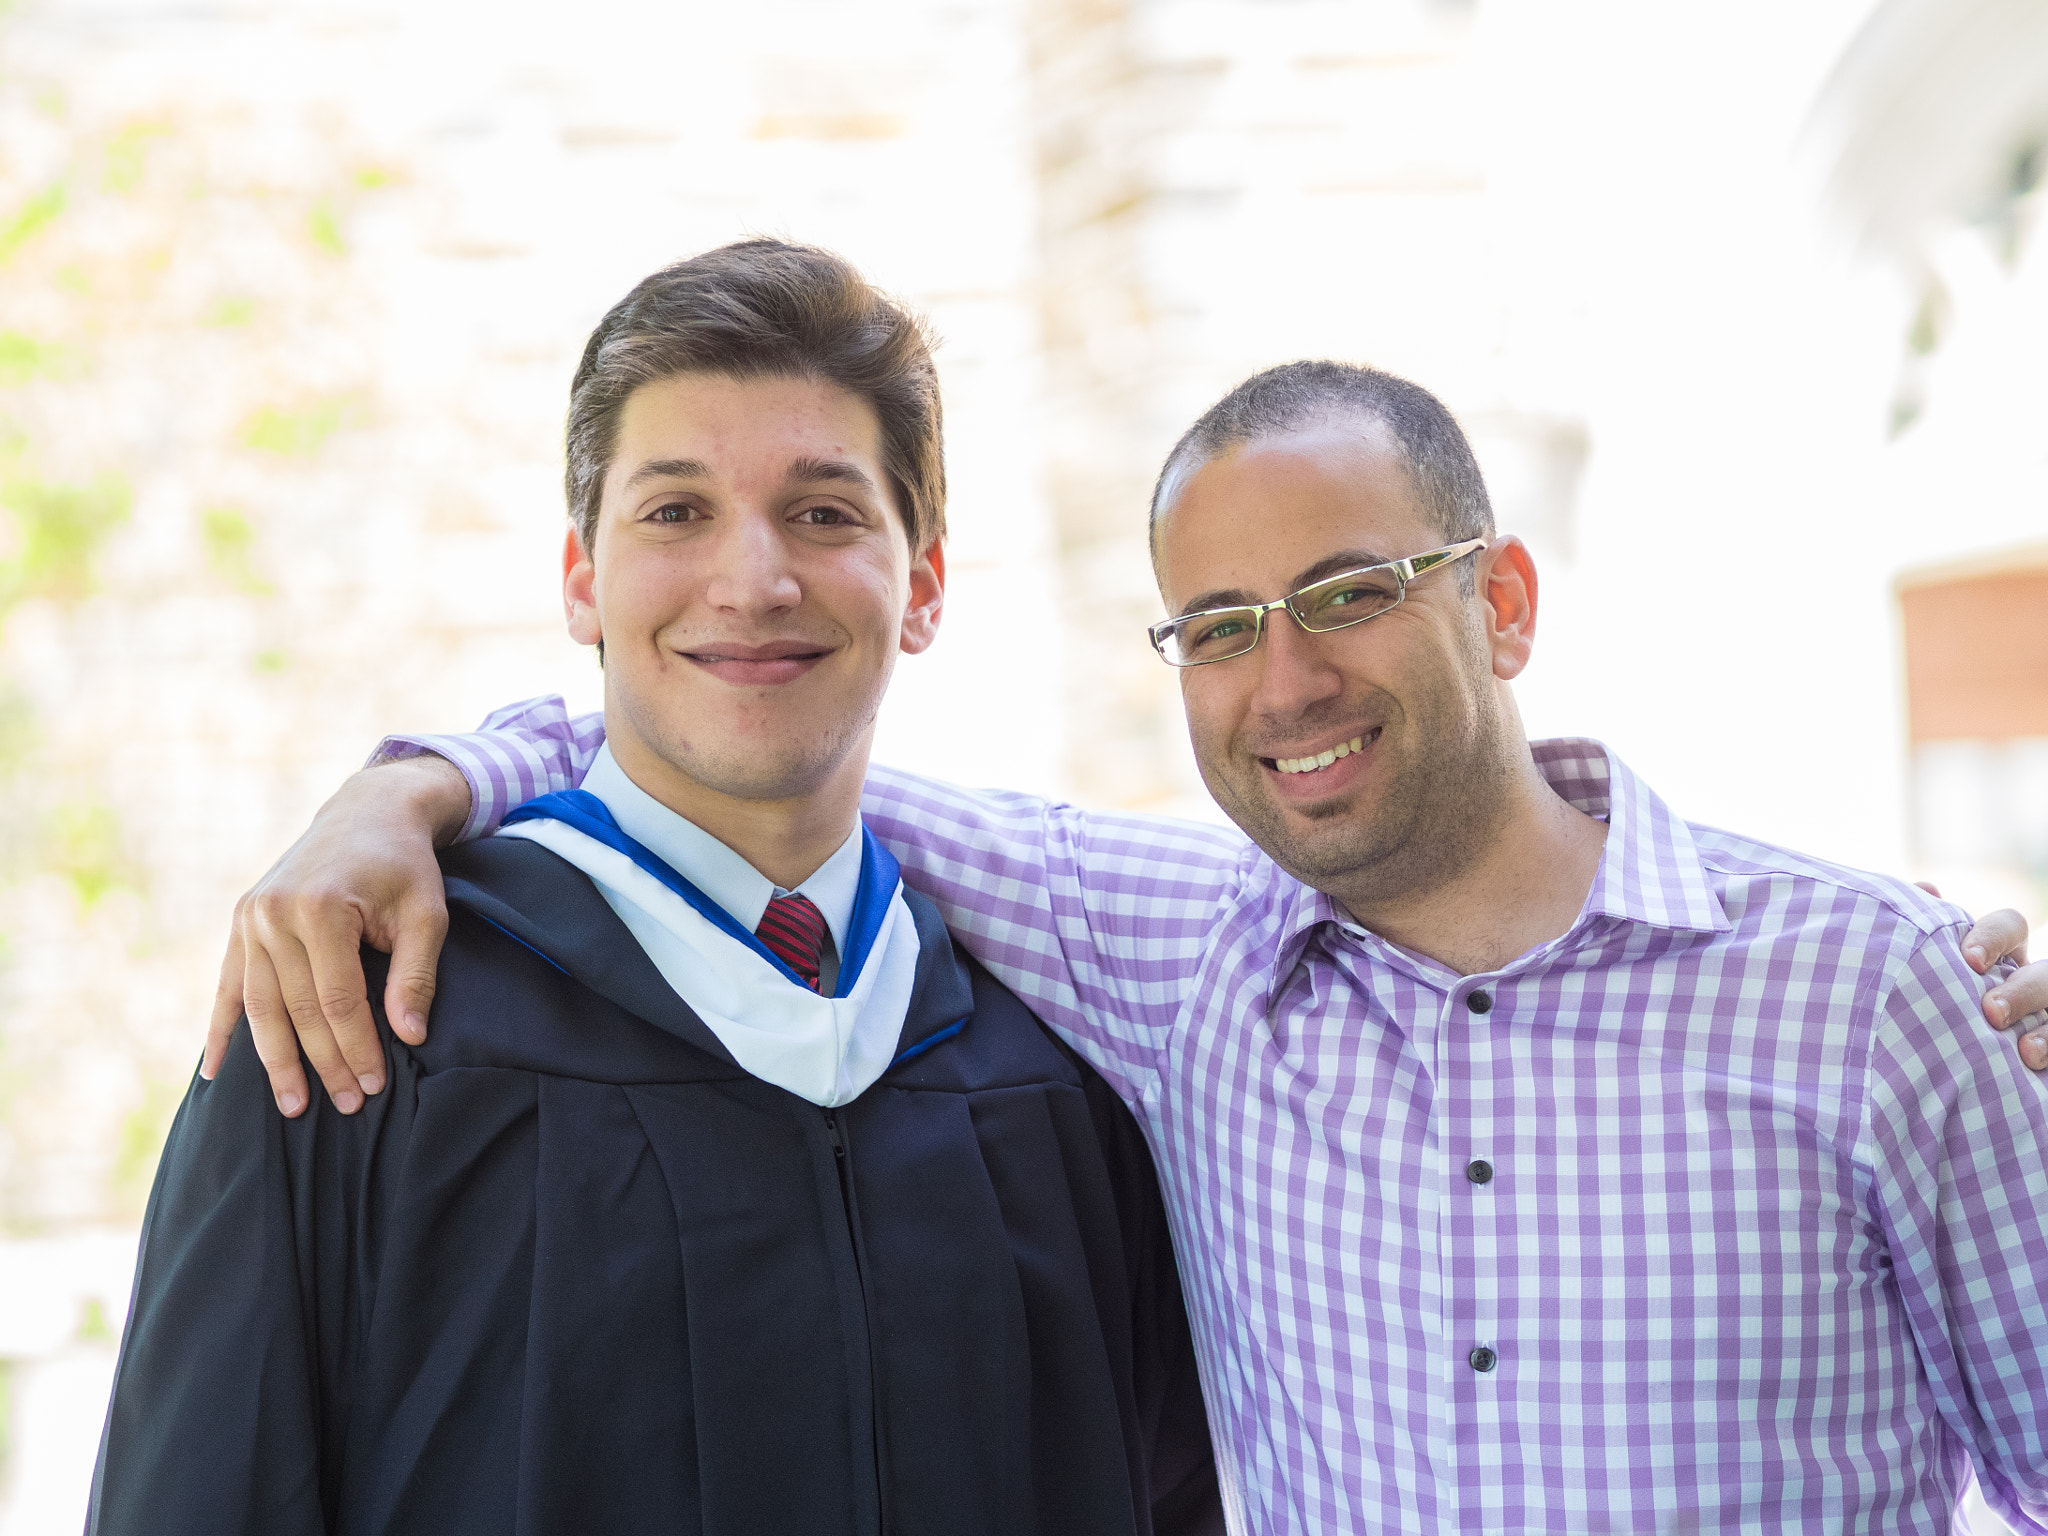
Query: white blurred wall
x,y
321,271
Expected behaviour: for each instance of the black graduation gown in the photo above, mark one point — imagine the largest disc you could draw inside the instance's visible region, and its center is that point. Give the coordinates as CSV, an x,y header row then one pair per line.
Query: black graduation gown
x,y
575,1272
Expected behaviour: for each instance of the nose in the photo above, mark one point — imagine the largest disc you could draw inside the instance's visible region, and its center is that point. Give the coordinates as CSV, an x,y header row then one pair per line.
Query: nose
x,y
1295,673
751,573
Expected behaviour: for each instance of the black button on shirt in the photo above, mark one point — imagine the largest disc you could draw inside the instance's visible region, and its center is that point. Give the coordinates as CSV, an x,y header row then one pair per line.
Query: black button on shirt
x,y
1479,1170
1480,1001
1483,1359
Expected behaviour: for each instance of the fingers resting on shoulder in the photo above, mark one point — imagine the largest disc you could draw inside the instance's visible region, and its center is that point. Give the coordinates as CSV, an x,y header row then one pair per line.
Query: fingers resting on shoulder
x,y
2020,1001
363,873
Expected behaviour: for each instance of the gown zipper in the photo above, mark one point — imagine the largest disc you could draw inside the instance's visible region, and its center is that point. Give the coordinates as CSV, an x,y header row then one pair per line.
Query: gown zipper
x,y
837,1137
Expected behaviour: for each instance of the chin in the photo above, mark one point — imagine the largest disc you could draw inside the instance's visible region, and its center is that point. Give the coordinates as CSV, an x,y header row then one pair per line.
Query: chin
x,y
790,775
1319,843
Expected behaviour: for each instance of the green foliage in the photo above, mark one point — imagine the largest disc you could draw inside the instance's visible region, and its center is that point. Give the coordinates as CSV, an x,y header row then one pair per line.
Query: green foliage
x,y
22,358
296,434
371,177
85,848
231,311
12,1079
17,733
58,529
272,661
229,541
1924,334
143,1130
30,219
324,229
93,1327
128,156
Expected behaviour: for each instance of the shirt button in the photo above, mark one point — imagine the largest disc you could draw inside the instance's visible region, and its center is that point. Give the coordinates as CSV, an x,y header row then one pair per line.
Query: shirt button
x,y
1483,1359
1480,1001
1479,1171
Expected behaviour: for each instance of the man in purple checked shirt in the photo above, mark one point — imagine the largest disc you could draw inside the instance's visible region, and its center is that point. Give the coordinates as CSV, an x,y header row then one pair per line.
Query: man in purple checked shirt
x,y
1538,1161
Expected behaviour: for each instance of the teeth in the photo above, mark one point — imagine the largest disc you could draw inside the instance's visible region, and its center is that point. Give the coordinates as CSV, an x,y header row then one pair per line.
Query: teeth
x,y
1321,759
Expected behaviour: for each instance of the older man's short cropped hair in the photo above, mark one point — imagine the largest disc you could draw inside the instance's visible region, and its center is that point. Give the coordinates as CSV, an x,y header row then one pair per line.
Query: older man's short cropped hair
x,y
1432,445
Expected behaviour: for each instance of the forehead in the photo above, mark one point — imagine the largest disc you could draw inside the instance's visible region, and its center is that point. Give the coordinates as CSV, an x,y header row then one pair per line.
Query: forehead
x,y
744,428
1253,519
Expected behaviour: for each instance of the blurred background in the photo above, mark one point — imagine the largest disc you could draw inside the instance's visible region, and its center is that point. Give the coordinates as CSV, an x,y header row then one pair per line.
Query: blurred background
x,y
1745,306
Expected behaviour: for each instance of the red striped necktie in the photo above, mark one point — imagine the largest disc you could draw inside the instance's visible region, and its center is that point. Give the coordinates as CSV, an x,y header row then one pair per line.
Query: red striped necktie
x,y
795,930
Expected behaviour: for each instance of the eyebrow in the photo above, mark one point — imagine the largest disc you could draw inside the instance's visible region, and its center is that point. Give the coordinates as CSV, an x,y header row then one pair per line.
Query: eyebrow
x,y
669,469
839,471
1329,565
802,471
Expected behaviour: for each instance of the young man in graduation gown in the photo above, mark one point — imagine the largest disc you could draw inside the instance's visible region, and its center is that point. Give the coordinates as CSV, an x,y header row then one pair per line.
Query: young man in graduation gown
x,y
727,1195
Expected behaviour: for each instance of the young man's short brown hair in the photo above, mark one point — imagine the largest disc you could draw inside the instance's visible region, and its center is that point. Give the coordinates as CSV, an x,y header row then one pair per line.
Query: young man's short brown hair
x,y
765,309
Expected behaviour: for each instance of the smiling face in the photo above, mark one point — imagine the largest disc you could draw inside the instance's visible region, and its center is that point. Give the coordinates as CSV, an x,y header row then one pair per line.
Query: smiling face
x,y
752,585
1370,761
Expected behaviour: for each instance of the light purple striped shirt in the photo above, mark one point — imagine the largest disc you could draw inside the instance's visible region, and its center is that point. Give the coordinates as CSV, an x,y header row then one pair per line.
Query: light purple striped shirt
x,y
1718,1213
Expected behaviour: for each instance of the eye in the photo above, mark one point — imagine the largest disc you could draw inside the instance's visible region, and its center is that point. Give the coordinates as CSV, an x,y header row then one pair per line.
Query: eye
x,y
1220,634
672,512
825,515
1360,589
1366,593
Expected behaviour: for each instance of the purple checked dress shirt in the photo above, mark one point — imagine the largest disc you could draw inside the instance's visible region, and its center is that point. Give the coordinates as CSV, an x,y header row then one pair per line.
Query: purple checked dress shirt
x,y
1718,1213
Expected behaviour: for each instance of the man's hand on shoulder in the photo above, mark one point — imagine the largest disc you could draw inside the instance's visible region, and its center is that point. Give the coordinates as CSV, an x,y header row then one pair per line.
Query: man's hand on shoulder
x,y
363,872
2021,1000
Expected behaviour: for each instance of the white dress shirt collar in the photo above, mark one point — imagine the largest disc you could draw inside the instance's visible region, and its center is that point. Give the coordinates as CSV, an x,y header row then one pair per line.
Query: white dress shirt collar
x,y
714,868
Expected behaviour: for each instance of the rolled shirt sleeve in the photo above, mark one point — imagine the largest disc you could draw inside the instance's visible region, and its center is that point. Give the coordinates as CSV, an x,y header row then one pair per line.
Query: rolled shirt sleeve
x,y
526,749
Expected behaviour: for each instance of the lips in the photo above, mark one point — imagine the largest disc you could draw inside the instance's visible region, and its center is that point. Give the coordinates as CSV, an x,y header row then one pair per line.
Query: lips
x,y
775,650
777,661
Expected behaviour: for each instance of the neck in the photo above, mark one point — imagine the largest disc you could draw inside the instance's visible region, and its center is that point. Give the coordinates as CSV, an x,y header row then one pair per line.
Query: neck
x,y
1524,885
785,839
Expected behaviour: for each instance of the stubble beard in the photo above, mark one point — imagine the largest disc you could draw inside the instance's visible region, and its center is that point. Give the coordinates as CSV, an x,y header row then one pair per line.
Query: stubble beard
x,y
1444,802
791,770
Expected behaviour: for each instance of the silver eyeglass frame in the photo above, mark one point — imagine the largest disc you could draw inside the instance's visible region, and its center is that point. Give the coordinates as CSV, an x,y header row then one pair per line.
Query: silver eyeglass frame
x,y
1404,571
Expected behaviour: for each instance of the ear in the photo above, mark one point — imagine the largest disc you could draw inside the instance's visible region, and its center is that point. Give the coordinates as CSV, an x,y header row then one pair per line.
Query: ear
x,y
1506,578
927,600
579,591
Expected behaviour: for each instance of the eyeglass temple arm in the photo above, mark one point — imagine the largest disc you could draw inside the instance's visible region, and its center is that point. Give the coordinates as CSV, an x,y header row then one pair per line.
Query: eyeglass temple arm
x,y
1415,565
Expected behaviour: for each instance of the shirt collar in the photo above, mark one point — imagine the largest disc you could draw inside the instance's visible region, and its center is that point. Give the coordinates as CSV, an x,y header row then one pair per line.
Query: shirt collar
x,y
1650,870
714,868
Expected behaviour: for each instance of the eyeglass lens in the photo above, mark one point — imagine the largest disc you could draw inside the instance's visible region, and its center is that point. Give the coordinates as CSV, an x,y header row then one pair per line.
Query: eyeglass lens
x,y
1221,633
1346,599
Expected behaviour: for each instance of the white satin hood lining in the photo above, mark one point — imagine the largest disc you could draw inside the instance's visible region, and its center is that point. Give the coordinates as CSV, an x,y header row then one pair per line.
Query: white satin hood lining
x,y
828,1050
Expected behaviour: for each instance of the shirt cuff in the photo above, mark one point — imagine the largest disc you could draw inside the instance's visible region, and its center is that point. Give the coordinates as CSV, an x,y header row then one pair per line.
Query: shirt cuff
x,y
503,772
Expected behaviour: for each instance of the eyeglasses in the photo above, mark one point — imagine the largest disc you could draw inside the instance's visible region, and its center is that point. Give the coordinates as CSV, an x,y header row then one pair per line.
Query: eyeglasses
x,y
1335,602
